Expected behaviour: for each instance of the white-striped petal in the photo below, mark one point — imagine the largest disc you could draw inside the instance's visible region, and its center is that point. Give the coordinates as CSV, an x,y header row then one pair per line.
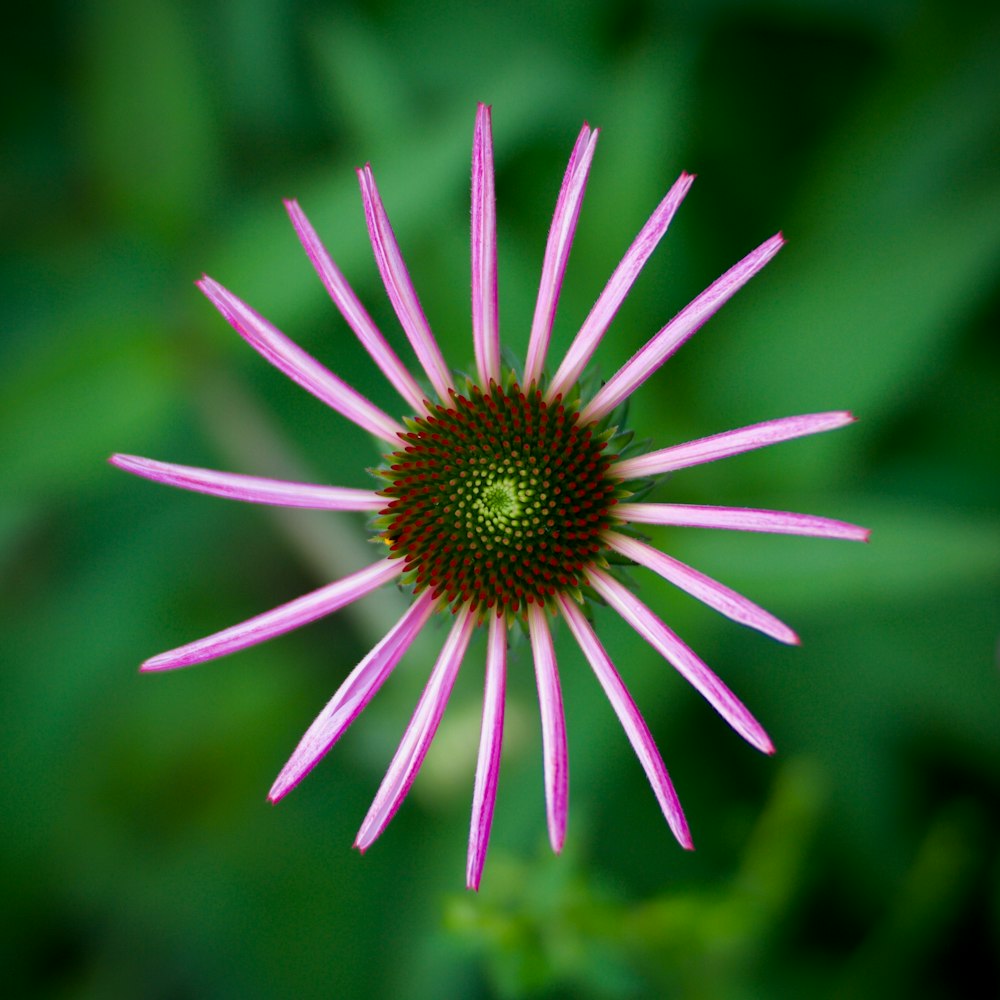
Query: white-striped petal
x,y
618,286
354,312
252,489
292,615
485,313
400,289
684,660
740,519
704,588
688,321
490,743
419,733
736,442
631,719
557,250
299,366
352,696
554,752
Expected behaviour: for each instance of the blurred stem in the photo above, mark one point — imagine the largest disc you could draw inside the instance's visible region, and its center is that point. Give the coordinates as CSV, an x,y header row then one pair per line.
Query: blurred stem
x,y
329,545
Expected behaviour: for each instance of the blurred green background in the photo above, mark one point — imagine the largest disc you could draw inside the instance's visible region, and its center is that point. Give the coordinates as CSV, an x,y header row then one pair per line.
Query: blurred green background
x,y
147,142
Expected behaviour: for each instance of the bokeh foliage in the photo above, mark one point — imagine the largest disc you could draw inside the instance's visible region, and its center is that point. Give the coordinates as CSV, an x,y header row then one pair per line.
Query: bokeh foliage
x,y
147,141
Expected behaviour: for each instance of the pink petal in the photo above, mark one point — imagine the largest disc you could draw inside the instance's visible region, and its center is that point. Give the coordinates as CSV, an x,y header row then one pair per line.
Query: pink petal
x,y
352,696
354,312
490,742
397,283
596,324
252,489
485,314
710,449
648,359
419,733
292,615
704,588
739,519
681,657
299,366
631,719
556,758
557,250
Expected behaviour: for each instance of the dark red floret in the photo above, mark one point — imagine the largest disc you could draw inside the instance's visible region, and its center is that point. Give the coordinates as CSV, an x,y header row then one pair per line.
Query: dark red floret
x,y
497,501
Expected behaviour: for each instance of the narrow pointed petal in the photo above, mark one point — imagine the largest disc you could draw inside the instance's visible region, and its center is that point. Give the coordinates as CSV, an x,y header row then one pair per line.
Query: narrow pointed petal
x,y
557,250
352,696
485,312
251,489
490,743
354,312
618,286
683,659
397,283
419,733
292,615
711,449
776,522
299,366
687,322
704,588
556,758
631,719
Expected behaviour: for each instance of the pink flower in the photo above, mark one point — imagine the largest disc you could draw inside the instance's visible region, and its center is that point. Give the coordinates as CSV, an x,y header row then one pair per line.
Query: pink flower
x,y
499,500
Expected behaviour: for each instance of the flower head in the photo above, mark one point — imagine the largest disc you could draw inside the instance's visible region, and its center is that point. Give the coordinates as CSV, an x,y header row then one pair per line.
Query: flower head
x,y
500,500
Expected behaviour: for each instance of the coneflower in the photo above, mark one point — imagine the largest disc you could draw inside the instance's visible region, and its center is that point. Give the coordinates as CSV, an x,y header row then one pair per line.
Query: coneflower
x,y
500,498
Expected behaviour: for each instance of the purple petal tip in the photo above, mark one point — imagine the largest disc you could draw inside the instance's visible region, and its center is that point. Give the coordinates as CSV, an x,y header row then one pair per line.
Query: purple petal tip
x,y
166,661
280,789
